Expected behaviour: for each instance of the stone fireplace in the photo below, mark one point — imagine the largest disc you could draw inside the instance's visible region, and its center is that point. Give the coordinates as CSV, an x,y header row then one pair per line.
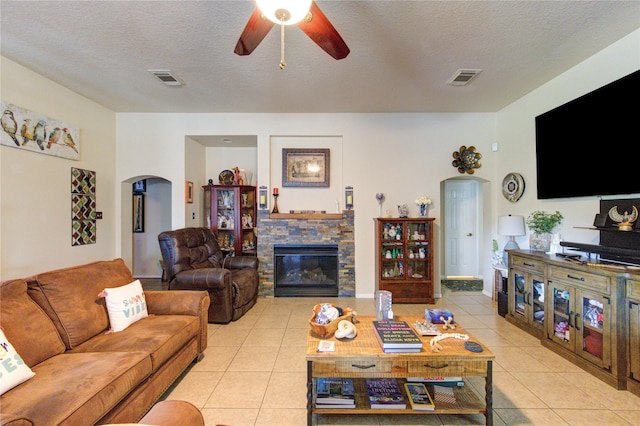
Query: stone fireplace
x,y
305,231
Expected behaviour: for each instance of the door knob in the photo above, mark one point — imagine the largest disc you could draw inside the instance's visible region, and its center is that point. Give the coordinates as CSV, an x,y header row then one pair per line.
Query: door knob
x,y
469,234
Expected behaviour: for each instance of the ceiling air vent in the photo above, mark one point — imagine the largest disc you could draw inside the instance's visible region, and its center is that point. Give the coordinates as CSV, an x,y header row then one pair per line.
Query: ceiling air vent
x,y
167,77
463,77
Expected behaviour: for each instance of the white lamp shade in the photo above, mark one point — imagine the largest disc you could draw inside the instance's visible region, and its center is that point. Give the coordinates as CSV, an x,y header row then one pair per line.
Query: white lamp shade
x,y
511,225
295,10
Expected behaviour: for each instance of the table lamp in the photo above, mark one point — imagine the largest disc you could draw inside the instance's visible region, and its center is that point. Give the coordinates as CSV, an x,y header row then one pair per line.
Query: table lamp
x,y
510,226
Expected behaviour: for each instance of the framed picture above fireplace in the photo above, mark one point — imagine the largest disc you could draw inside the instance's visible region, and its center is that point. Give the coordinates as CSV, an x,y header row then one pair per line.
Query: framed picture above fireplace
x,y
305,167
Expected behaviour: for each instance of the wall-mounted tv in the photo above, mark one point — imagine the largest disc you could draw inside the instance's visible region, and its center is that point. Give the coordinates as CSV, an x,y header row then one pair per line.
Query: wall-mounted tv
x,y
590,146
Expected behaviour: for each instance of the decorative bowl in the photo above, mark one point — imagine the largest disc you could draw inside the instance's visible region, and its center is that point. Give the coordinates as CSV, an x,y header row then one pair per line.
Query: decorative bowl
x,y
327,330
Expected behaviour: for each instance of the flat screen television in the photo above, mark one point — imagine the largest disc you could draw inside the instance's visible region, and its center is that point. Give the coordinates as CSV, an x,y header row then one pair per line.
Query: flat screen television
x,y
590,146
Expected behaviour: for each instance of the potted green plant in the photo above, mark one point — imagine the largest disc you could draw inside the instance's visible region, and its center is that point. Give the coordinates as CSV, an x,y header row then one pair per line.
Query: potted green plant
x,y
542,225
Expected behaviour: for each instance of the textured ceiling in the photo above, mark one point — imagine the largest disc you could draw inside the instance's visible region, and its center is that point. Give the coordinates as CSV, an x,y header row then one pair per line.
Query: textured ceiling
x,y
402,52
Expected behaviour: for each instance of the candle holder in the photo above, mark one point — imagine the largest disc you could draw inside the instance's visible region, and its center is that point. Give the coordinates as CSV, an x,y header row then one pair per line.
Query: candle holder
x,y
348,197
275,203
263,198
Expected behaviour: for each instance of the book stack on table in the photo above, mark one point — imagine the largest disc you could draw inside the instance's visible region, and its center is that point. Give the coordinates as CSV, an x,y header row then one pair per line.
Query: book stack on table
x,y
335,392
384,393
397,336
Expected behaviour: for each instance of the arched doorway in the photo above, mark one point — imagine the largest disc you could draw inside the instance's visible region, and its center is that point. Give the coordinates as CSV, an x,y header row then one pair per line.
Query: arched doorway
x,y
140,249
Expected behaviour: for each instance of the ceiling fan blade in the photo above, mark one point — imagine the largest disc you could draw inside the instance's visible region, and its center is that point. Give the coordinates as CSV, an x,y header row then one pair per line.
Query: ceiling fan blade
x,y
322,32
254,32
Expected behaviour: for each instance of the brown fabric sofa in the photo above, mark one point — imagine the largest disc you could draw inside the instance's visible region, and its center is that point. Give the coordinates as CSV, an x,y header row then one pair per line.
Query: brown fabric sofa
x,y
84,376
193,261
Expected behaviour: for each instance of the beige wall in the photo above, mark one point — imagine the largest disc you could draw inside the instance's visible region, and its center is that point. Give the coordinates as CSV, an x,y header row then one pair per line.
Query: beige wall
x,y
35,224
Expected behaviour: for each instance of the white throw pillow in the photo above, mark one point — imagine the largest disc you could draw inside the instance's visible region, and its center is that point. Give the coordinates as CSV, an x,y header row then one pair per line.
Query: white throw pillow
x,y
125,305
13,370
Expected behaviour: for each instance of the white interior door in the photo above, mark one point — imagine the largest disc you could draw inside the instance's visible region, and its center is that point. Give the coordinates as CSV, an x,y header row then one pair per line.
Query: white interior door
x,y
462,218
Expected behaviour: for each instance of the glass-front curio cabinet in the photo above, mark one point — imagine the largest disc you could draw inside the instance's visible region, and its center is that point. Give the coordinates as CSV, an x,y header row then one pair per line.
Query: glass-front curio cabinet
x,y
230,212
404,264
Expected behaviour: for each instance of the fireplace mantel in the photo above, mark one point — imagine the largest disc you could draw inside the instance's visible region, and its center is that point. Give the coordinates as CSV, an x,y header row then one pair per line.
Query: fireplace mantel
x,y
319,216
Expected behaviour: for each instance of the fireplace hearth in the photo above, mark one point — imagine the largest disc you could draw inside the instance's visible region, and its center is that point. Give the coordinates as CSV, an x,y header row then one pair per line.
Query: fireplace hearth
x,y
303,270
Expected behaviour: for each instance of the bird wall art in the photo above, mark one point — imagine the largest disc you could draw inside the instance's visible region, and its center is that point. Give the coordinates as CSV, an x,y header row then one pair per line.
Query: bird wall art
x,y
27,130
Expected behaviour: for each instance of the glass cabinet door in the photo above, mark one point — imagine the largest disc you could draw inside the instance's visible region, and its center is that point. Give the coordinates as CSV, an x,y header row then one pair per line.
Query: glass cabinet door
x,y
206,208
562,316
634,340
519,299
593,330
418,250
248,201
536,302
392,251
225,209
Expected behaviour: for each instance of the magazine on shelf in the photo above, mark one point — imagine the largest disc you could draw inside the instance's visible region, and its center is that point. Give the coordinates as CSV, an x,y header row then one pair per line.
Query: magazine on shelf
x,y
334,391
444,394
442,381
352,405
419,397
385,393
394,334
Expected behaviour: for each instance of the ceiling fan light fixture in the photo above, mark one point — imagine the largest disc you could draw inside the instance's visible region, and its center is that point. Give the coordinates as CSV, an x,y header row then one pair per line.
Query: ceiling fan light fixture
x,y
284,12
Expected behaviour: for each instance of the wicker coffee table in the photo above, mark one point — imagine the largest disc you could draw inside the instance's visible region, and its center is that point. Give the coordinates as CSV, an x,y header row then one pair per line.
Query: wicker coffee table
x,y
362,358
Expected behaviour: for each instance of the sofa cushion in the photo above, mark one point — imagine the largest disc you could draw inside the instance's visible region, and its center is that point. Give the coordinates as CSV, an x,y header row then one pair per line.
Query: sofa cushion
x,y
161,336
70,297
125,305
77,388
13,370
25,324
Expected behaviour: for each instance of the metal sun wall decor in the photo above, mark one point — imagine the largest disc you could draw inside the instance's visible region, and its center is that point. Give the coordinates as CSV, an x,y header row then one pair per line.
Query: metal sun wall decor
x,y
467,159
34,132
83,207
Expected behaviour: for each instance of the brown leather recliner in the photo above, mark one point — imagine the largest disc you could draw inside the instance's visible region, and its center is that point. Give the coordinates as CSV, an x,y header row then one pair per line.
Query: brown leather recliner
x,y
193,261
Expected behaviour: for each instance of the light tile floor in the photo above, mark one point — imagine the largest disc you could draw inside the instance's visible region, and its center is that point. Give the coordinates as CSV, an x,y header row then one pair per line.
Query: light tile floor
x,y
254,372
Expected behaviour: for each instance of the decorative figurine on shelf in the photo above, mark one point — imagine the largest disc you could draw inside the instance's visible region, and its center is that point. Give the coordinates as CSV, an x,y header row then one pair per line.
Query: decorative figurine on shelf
x,y
380,198
237,177
624,221
422,253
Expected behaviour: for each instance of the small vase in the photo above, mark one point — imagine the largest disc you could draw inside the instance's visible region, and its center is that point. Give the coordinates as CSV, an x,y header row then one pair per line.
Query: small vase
x,y
540,242
423,210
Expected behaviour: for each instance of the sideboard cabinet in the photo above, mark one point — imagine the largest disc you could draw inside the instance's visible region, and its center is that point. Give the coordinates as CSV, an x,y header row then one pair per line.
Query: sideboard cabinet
x,y
633,349
404,258
230,212
583,315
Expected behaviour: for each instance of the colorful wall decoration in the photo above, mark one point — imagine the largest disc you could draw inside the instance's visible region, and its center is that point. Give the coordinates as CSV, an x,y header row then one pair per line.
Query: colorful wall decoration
x,y
34,132
83,207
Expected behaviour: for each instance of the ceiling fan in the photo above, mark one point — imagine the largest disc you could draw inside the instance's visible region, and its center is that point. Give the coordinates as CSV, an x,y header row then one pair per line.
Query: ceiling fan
x,y
305,13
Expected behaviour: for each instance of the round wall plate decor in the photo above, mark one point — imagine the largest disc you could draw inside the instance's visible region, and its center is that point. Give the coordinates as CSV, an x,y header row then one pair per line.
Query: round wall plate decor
x,y
226,177
513,187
